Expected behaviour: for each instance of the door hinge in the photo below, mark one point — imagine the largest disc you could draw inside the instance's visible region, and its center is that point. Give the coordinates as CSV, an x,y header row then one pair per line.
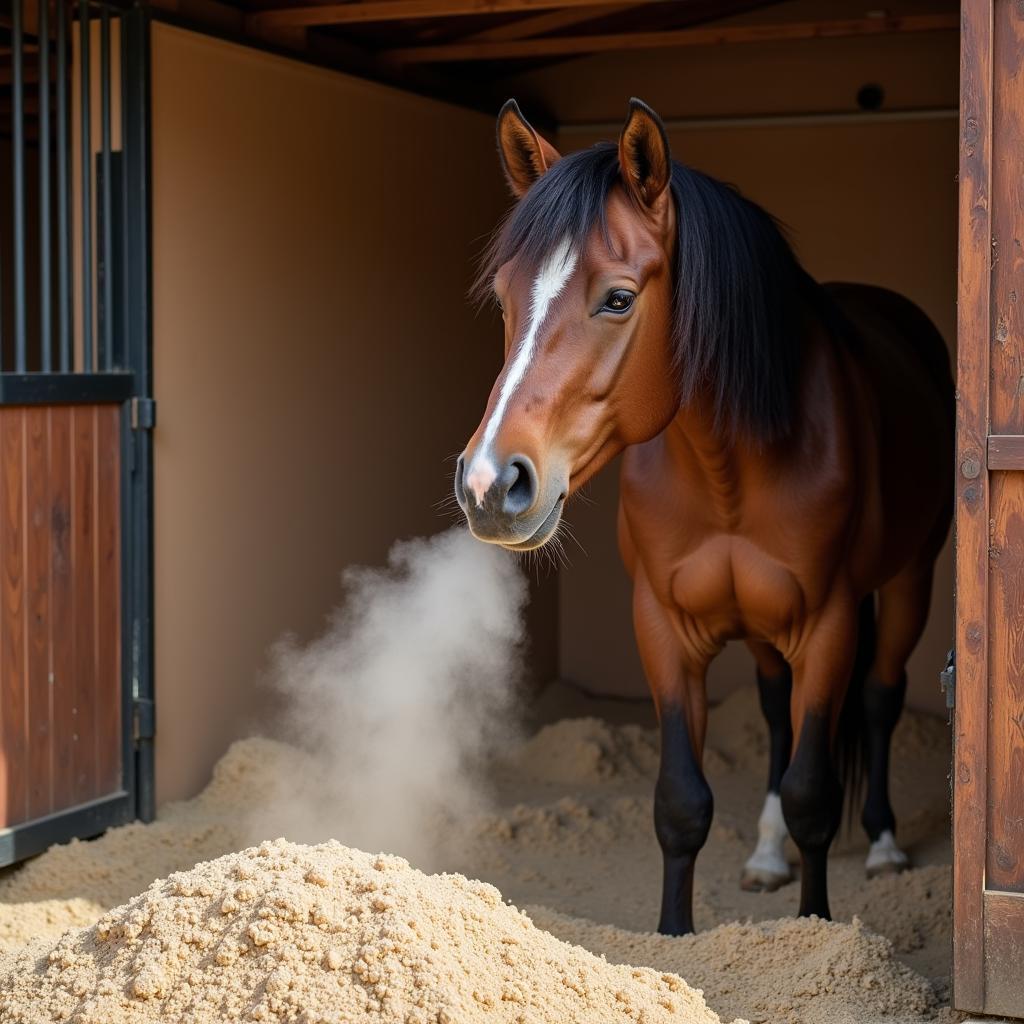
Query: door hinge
x,y
144,715
143,413
947,680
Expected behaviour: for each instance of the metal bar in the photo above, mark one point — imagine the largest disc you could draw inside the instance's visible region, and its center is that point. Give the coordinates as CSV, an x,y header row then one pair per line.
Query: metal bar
x,y
681,124
18,102
107,340
64,388
18,842
64,240
45,248
138,547
84,32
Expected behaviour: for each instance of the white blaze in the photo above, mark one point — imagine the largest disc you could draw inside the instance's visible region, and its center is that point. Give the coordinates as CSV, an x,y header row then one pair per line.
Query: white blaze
x,y
552,277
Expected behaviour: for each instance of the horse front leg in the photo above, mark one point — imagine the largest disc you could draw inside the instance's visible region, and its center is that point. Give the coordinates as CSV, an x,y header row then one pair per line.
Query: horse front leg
x,y
683,804
812,795
767,868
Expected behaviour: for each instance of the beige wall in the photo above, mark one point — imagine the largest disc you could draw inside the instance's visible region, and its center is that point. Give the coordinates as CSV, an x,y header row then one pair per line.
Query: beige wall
x,y
864,202
316,363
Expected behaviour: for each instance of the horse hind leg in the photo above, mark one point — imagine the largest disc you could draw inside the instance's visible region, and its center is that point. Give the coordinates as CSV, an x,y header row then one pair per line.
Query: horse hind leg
x,y
902,613
768,868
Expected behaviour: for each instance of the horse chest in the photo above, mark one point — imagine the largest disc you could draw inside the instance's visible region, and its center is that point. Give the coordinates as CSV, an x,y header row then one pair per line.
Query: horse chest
x,y
732,589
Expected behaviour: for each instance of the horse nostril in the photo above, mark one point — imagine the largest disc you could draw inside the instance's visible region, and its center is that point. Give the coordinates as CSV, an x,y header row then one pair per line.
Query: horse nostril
x,y
460,482
523,488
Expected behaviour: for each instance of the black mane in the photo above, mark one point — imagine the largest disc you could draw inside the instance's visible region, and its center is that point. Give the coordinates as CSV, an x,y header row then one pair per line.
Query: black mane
x,y
740,293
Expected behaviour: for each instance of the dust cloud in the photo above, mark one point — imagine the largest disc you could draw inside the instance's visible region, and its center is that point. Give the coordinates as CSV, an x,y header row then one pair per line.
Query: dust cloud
x,y
397,705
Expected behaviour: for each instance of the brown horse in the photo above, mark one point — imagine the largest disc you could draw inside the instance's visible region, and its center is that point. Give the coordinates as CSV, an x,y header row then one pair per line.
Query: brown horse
x,y
787,457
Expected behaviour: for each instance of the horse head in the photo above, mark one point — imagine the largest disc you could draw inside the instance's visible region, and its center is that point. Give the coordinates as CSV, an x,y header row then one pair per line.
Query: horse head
x,y
583,273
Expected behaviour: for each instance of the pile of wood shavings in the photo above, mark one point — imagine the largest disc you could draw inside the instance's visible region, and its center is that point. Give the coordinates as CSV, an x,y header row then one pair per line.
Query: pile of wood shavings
x,y
320,934
796,970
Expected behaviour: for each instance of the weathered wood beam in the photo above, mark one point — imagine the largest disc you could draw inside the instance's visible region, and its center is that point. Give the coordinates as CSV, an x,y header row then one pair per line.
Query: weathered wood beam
x,y
211,13
365,11
562,46
550,21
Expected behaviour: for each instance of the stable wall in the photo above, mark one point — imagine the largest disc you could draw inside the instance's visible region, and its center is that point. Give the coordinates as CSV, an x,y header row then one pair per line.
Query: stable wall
x,y
316,363
863,201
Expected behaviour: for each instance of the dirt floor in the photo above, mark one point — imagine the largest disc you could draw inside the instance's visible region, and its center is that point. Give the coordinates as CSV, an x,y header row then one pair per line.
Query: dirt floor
x,y
570,839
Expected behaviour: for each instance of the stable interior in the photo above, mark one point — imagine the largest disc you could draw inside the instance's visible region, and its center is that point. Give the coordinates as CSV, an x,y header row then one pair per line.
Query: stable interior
x,y
318,365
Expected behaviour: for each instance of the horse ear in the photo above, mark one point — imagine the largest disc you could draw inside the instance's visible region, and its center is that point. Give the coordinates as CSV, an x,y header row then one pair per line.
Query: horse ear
x,y
644,157
525,156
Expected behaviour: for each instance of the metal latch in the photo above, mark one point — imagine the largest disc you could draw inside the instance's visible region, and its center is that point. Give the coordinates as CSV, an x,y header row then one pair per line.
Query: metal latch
x,y
947,680
143,413
145,719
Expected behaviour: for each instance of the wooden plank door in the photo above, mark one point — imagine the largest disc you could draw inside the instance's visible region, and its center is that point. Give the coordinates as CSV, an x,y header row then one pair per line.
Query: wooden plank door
x,y
61,730
988,768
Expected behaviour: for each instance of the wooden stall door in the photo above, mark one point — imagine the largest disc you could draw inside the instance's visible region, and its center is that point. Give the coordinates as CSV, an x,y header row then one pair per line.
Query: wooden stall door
x,y
988,769
63,739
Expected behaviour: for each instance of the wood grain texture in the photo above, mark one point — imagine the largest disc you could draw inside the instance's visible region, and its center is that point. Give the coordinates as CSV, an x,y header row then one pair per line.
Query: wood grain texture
x,y
14,698
398,10
614,42
37,578
108,596
972,505
60,608
550,21
1004,861
83,575
1006,327
1006,451
1004,954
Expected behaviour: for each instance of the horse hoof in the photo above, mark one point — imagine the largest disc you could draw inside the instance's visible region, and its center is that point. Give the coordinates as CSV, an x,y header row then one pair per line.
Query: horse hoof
x,y
885,857
761,880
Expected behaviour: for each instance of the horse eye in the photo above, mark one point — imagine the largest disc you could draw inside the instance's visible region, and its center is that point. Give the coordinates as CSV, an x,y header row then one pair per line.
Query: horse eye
x,y
498,303
619,301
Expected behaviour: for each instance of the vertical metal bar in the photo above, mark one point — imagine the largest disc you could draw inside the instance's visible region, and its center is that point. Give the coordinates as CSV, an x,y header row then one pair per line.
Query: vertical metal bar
x,y
45,252
107,340
137,262
17,116
84,32
64,240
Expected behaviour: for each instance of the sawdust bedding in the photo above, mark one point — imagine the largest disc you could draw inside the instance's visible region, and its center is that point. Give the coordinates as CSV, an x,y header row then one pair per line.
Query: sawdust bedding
x,y
323,933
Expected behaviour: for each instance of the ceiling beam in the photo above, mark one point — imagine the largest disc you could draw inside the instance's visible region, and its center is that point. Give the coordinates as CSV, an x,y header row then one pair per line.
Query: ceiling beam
x,y
550,21
366,11
211,13
562,46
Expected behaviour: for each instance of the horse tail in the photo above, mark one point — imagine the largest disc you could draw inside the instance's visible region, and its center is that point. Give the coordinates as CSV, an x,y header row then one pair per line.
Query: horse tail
x,y
850,738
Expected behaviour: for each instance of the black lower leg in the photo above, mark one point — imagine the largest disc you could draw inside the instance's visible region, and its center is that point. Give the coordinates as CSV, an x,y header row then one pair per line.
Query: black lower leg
x,y
775,694
683,807
812,802
882,707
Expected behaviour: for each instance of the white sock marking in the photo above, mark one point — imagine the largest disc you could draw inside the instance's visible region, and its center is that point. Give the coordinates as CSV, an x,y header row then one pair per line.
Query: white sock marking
x,y
885,852
552,277
769,857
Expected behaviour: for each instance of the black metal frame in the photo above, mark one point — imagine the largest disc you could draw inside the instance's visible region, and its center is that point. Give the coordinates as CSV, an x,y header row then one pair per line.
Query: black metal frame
x,y
115,359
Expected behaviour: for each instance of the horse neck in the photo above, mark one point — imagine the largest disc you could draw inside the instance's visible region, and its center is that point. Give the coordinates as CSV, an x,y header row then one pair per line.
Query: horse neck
x,y
718,458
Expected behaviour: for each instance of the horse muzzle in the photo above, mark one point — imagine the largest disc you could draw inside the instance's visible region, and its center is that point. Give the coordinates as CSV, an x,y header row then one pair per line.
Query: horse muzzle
x,y
504,505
